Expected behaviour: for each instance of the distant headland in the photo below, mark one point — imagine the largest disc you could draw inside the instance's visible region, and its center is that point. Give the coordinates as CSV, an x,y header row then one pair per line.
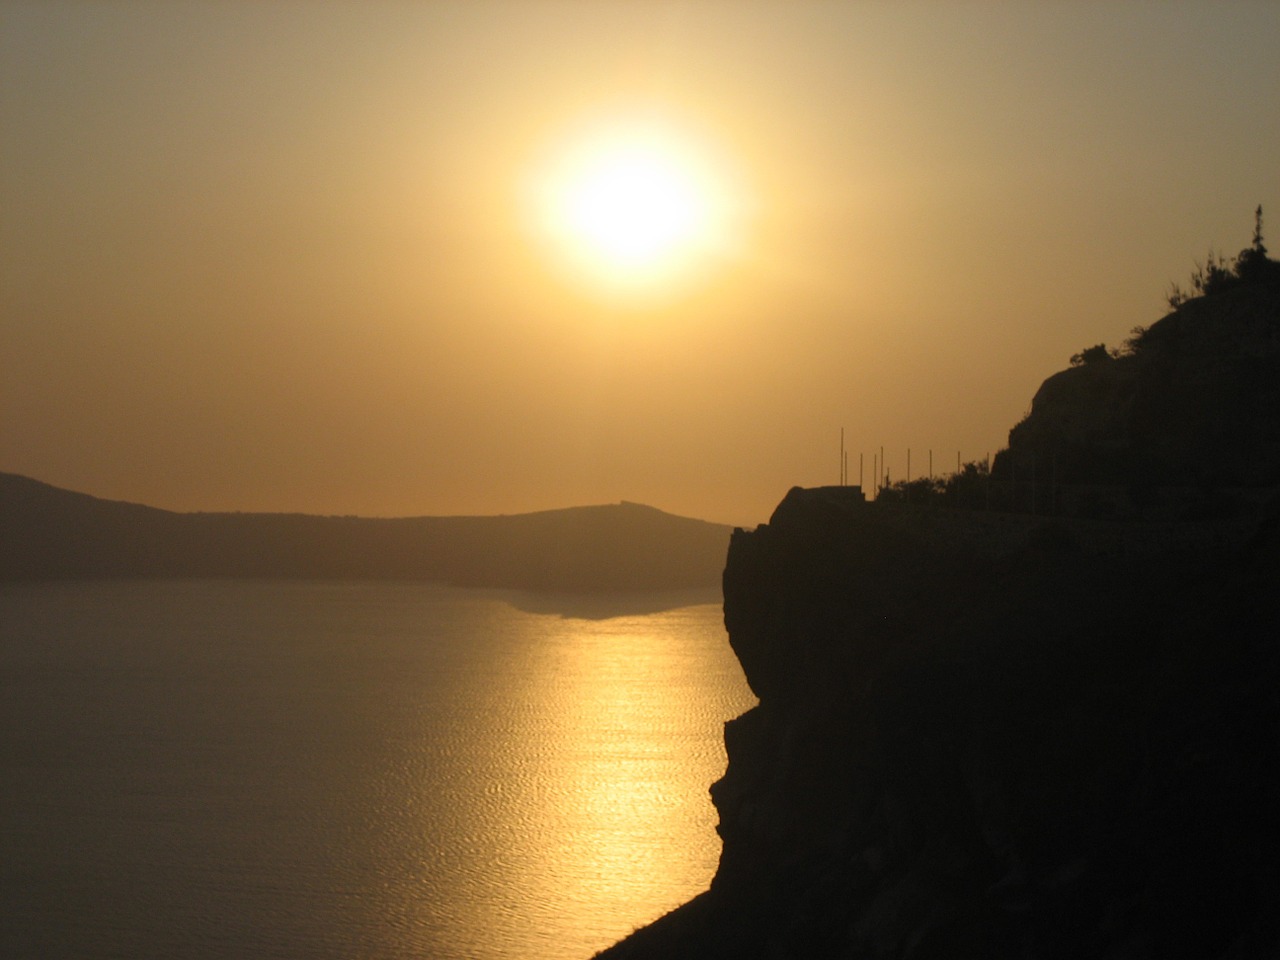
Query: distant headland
x,y
50,533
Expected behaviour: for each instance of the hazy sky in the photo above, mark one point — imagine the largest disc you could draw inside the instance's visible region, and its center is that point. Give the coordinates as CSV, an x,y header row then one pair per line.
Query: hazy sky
x,y
289,256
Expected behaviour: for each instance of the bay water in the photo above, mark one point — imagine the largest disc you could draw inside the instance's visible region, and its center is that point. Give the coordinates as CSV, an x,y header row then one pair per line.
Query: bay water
x,y
243,769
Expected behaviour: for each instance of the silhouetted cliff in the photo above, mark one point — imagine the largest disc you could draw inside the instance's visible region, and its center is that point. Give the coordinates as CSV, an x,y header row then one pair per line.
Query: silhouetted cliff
x,y
1009,736
1013,746
47,533
1192,405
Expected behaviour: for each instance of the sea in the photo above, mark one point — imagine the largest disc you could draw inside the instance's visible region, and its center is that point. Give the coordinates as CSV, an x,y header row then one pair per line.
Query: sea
x,y
294,769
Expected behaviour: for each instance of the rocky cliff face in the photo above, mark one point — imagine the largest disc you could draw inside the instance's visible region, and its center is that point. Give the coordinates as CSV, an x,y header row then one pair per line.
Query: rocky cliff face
x,y
996,736
1195,404
1017,746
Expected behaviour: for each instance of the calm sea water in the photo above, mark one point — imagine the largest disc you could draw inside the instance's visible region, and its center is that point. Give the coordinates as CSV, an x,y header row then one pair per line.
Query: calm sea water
x,y
342,770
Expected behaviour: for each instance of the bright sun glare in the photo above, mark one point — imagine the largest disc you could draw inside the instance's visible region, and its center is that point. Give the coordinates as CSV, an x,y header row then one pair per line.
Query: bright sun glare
x,y
633,208
634,205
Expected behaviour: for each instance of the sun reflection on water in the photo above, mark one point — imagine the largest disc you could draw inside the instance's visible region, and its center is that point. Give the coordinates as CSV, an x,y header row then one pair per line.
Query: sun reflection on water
x,y
334,770
608,819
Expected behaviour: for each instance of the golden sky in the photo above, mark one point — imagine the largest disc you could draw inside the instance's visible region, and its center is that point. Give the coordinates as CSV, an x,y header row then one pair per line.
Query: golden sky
x,y
299,255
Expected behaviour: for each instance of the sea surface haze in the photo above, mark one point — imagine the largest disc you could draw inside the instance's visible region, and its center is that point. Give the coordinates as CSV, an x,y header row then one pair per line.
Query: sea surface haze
x,y
229,769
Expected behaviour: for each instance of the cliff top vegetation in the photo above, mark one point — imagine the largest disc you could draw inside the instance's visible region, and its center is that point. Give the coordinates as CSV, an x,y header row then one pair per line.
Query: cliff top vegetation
x,y
1190,403
1215,276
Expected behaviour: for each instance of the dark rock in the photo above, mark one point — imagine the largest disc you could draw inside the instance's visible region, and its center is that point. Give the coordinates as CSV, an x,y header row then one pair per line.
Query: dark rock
x,y
1042,751
996,735
1196,406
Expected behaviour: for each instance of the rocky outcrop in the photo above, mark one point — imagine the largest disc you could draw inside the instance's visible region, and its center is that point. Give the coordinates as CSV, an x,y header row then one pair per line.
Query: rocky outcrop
x,y
1008,736
1013,747
1194,404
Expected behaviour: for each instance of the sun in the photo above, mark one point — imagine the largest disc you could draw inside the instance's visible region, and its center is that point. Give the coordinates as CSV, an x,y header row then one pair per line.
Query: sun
x,y
633,205
633,208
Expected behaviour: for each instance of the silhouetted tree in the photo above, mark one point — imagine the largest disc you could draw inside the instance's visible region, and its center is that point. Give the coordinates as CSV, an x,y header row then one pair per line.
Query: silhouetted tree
x,y
1252,265
967,488
1136,340
1095,354
1219,273
919,492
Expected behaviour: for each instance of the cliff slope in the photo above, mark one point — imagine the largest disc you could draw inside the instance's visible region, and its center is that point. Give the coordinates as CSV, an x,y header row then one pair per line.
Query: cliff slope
x,y
1194,402
1002,735
993,747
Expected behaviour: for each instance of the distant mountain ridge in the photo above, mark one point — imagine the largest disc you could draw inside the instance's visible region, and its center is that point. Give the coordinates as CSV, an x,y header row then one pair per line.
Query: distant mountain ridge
x,y
50,533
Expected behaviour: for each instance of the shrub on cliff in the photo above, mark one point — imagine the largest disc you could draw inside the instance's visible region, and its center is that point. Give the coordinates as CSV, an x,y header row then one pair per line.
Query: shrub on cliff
x,y
1218,273
923,490
970,487
967,488
1098,353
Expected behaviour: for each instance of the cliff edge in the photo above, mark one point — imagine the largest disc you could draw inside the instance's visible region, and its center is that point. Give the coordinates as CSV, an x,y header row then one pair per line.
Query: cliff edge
x,y
1024,731
1192,402
1015,745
